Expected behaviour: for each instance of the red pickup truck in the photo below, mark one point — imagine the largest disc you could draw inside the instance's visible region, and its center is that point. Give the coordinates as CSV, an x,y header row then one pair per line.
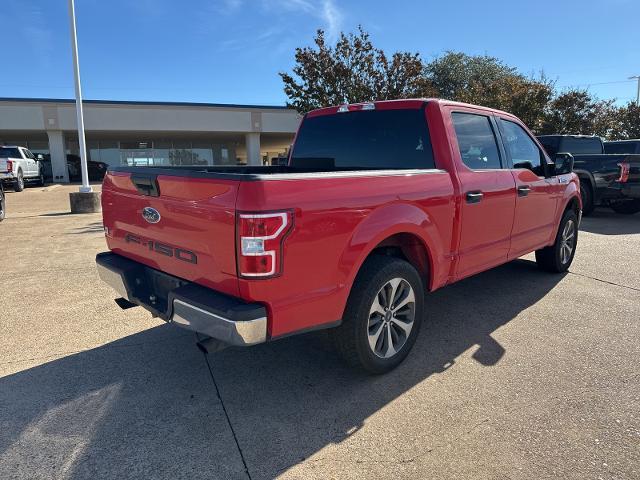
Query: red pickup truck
x,y
379,204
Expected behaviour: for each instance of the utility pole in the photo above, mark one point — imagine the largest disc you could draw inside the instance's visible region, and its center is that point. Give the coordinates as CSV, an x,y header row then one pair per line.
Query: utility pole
x,y
637,77
85,188
85,200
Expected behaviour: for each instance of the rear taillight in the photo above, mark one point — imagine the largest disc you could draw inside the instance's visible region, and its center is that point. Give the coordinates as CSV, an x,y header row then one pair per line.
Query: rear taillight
x,y
9,166
260,241
624,172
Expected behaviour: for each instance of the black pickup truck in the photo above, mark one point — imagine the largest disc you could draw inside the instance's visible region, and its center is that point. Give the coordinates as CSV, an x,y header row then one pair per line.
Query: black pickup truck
x,y
611,180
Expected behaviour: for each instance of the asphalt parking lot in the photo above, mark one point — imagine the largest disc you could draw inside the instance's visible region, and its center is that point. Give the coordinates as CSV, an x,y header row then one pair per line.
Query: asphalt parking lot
x,y
517,374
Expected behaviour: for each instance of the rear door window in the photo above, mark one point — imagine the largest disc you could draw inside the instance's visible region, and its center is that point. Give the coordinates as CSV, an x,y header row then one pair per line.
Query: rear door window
x,y
370,139
476,141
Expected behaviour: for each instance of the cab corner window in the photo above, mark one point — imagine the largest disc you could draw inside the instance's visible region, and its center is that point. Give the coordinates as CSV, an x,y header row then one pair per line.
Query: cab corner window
x,y
525,154
476,141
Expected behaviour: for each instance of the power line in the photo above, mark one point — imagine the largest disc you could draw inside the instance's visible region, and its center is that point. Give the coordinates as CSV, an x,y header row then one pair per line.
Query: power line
x,y
597,83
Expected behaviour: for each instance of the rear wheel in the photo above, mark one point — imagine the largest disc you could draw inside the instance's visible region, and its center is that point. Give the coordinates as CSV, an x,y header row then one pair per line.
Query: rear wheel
x,y
40,180
18,183
383,315
628,207
586,192
558,257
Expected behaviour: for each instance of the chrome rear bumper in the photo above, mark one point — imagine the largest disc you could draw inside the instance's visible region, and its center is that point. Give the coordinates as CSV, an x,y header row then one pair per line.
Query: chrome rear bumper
x,y
186,304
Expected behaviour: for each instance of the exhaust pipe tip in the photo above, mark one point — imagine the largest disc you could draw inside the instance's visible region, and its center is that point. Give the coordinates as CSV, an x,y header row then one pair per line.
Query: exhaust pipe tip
x,y
211,345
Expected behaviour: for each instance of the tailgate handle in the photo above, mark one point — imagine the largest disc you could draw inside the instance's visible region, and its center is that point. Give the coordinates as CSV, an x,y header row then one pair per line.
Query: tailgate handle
x,y
146,185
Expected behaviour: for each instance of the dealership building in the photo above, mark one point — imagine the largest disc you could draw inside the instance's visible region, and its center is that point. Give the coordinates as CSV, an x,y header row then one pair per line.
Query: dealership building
x,y
148,133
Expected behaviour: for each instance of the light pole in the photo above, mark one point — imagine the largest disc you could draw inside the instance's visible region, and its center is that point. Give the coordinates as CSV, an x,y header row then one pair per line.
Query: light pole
x,y
85,188
637,77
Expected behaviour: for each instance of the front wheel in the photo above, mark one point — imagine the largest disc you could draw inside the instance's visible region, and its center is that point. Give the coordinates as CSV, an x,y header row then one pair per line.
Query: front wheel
x,y
558,257
18,183
383,315
628,207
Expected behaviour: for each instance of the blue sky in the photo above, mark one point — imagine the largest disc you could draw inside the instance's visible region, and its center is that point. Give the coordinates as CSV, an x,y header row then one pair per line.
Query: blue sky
x,y
230,51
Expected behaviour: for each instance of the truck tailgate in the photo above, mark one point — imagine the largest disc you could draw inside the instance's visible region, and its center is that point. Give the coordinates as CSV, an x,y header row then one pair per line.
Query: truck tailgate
x,y
180,225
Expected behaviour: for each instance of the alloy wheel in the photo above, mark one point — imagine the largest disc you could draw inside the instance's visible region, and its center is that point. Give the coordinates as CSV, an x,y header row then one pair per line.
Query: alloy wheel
x,y
567,242
391,318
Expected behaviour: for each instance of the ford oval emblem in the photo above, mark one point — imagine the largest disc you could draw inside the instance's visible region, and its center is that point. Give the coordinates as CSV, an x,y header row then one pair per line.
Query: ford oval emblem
x,y
151,215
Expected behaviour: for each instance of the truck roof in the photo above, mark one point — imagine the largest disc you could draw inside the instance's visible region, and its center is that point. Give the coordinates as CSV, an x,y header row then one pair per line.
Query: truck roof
x,y
401,103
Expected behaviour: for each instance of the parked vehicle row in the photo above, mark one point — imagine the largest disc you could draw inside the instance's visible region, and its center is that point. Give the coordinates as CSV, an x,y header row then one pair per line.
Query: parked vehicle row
x,y
18,166
609,171
96,170
379,203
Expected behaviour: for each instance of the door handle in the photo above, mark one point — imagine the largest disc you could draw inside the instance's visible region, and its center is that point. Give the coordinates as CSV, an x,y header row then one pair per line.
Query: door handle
x,y
523,191
474,197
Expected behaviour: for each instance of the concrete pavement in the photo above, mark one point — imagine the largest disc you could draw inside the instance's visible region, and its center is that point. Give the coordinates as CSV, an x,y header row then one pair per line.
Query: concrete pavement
x,y
517,374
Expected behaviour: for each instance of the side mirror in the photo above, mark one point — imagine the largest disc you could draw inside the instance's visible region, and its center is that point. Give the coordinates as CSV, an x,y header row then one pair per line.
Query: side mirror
x,y
563,163
40,156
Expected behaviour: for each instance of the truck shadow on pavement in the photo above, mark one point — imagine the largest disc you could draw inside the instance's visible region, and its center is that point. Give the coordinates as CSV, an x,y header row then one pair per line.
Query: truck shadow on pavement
x,y
147,405
606,222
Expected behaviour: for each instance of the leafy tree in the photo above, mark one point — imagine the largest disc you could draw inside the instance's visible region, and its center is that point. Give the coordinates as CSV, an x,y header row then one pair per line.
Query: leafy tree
x,y
580,113
485,80
355,71
627,124
351,71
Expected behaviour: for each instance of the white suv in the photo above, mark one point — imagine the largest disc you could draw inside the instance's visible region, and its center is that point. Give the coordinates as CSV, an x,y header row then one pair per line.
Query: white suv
x,y
18,165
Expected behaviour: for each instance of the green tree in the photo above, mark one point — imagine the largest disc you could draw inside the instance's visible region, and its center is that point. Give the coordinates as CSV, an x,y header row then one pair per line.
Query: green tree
x,y
627,124
487,81
578,112
351,71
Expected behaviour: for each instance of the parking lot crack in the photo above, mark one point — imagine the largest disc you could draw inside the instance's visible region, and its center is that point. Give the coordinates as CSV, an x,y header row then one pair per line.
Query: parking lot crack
x,y
606,281
226,414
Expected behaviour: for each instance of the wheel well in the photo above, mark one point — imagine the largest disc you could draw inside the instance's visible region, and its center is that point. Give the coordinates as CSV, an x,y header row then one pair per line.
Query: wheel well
x,y
573,205
409,247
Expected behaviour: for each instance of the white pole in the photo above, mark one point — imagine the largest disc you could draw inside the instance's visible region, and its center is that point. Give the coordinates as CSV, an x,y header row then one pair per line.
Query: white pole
x,y
637,77
85,188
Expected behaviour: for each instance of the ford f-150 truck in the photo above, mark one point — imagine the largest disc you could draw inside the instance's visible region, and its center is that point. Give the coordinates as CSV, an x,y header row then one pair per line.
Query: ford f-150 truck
x,y
379,203
18,165
607,179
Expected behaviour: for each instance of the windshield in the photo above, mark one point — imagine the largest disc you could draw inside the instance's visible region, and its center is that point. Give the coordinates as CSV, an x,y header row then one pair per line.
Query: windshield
x,y
6,152
375,139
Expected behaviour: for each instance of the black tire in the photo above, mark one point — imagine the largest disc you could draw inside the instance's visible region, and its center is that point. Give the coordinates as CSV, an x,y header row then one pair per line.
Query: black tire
x,y
3,205
352,337
628,207
586,192
555,258
18,183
